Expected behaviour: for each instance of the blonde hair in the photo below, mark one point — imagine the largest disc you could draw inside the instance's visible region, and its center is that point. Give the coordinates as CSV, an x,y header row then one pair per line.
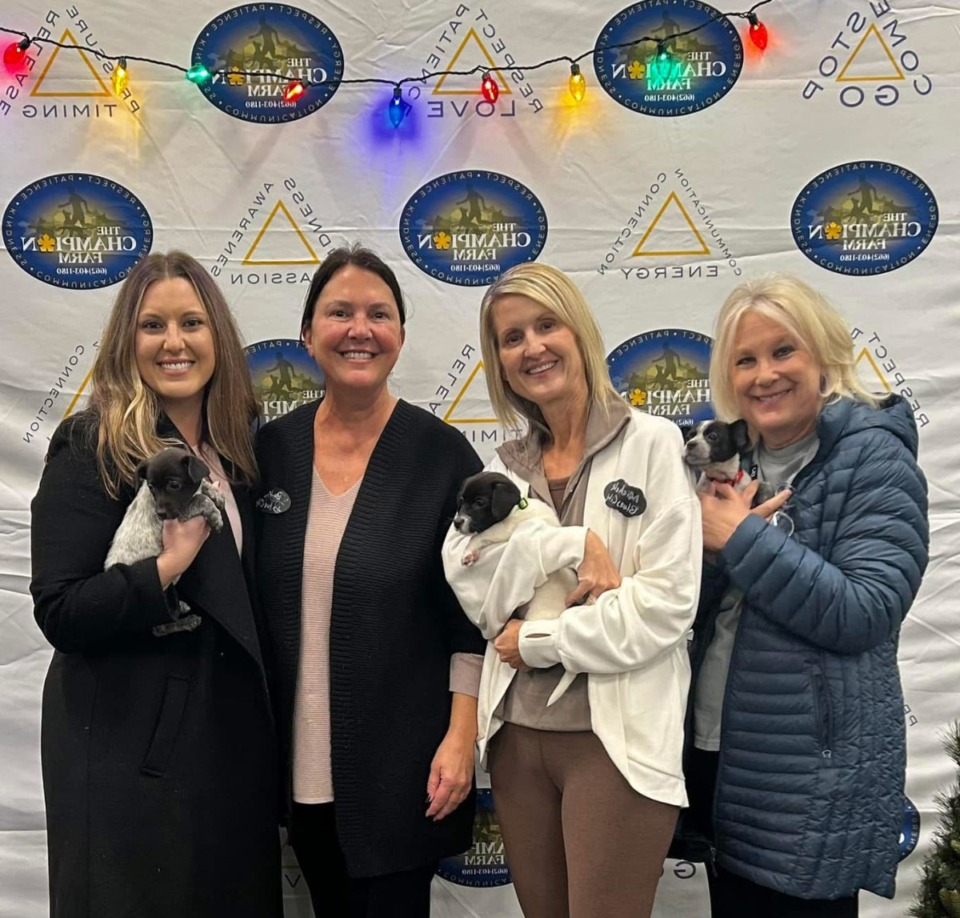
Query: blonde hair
x,y
128,410
551,288
806,315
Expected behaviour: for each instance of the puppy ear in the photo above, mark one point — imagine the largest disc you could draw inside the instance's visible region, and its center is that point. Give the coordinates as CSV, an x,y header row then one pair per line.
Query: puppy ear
x,y
142,469
196,469
740,436
688,432
506,496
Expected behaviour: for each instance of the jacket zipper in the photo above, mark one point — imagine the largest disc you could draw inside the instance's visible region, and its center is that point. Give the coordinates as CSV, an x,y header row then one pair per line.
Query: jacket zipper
x,y
823,710
723,723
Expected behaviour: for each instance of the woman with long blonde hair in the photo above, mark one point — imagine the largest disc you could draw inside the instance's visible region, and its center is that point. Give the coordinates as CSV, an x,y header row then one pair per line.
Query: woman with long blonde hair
x,y
157,744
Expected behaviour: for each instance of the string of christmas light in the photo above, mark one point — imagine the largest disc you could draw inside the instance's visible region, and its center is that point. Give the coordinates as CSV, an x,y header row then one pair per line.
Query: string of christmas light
x,y
15,54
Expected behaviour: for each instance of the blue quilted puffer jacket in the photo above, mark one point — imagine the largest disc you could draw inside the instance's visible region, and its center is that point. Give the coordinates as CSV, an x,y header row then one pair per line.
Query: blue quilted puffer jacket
x,y
809,797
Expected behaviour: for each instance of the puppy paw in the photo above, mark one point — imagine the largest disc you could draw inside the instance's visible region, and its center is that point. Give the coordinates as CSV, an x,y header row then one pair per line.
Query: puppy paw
x,y
213,492
214,518
201,505
471,557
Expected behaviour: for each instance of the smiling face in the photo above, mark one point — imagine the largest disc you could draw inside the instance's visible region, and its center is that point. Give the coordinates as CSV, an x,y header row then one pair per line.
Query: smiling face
x,y
539,355
355,334
776,381
174,345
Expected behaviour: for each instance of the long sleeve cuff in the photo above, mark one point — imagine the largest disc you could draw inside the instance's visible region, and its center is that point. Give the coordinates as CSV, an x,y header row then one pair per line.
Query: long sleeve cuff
x,y
465,673
538,643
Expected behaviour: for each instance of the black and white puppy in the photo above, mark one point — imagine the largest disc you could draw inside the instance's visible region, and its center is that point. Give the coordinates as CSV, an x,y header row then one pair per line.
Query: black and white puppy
x,y
715,448
490,507
174,484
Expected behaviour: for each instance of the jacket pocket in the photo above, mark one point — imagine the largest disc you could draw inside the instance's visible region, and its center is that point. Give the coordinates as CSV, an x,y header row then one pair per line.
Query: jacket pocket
x,y
168,726
823,712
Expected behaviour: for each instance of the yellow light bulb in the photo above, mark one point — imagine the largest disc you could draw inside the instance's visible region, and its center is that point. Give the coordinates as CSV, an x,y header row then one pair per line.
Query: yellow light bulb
x,y
578,85
120,77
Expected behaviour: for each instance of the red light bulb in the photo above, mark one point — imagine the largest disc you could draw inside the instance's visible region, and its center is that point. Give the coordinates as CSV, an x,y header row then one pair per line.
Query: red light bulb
x,y
293,91
758,34
489,88
13,57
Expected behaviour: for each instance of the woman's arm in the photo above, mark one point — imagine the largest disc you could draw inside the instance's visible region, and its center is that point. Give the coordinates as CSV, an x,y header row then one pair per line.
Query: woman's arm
x,y
652,610
77,604
451,771
878,555
507,573
647,615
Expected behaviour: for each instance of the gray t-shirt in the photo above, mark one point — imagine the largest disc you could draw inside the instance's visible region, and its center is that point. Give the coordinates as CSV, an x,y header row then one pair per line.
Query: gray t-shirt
x,y
777,467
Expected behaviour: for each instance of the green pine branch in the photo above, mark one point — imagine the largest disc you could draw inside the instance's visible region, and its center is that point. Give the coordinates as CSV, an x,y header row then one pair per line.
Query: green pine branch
x,y
939,892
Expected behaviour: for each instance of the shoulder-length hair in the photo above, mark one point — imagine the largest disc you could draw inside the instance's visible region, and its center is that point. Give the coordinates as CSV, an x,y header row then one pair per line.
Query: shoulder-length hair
x,y
128,410
806,315
551,288
359,257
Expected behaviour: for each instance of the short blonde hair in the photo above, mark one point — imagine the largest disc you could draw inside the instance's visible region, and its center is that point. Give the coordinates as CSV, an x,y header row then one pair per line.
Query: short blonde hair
x,y
551,288
806,315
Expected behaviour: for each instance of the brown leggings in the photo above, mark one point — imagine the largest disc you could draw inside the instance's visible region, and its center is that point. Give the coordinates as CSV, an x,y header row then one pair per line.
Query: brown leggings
x,y
581,843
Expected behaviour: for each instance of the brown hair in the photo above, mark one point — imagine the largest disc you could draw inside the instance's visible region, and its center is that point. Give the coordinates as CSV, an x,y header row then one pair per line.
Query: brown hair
x,y
128,411
359,257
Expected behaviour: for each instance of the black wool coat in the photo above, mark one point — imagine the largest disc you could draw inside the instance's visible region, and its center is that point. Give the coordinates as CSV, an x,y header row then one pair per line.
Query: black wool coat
x,y
159,756
394,626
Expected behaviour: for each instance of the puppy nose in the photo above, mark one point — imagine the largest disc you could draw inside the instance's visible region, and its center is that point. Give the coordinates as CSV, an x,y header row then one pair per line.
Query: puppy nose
x,y
458,522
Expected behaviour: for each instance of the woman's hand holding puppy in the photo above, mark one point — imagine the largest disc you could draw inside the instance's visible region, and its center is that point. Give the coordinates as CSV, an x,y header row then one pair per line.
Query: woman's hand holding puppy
x,y
596,574
181,542
724,508
507,645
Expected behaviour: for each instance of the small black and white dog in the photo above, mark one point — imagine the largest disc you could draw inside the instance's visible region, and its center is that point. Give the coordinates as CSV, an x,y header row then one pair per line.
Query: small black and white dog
x,y
491,507
174,484
715,448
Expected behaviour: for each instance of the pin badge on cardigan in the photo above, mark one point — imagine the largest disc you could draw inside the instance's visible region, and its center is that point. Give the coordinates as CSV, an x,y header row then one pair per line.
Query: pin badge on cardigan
x,y
276,501
624,498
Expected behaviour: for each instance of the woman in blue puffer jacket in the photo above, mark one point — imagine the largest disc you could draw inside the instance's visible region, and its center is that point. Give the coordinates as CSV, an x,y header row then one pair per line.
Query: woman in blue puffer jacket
x,y
796,770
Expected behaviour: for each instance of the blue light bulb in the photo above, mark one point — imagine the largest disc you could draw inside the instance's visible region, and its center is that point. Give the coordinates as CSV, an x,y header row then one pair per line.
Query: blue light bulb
x,y
396,108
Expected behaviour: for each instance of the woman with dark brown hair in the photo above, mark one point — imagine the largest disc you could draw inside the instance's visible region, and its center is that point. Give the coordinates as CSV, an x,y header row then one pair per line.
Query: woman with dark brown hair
x,y
377,666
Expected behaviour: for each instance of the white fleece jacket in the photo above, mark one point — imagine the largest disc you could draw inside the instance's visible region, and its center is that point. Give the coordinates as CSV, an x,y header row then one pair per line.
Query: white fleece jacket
x,y
632,642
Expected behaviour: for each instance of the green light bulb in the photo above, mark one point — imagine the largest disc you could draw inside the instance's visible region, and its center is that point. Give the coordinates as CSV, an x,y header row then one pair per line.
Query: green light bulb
x,y
198,74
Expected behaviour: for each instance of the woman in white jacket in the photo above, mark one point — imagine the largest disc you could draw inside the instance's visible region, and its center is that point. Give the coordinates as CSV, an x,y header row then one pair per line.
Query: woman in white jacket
x,y
588,788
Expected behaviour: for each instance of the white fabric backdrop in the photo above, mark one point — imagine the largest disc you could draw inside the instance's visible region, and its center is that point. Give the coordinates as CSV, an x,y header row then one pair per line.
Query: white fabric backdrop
x,y
848,80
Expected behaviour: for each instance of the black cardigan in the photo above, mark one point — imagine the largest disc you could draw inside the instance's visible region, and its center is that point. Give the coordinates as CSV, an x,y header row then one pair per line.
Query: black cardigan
x,y
394,626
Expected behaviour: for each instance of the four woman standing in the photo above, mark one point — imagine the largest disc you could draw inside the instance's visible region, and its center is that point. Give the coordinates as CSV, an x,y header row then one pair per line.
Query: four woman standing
x,y
375,669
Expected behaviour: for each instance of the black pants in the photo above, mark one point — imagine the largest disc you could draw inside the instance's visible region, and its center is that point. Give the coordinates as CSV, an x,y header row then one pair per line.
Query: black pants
x,y
732,896
333,892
